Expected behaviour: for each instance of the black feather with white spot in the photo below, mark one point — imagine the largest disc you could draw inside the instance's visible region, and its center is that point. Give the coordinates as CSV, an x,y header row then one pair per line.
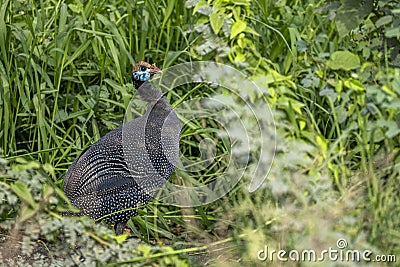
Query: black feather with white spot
x,y
103,181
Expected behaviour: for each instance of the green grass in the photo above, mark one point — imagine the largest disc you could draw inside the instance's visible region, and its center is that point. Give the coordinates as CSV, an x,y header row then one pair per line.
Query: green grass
x,y
65,82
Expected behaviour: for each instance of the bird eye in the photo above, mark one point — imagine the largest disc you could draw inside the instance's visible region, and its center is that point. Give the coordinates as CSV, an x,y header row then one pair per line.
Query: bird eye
x,y
142,68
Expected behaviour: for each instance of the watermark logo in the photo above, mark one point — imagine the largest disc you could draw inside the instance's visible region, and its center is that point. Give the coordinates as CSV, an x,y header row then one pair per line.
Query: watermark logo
x,y
340,253
244,127
341,243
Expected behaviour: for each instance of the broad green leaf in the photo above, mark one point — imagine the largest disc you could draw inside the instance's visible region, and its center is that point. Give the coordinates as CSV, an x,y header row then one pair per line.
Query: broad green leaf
x,y
168,11
3,30
199,5
339,86
121,238
343,60
391,126
237,28
50,169
26,165
330,93
350,15
389,90
47,191
145,249
26,212
21,190
354,84
241,2
63,17
236,11
252,31
216,21
78,8
383,21
322,144
240,57
60,193
302,124
392,32
61,116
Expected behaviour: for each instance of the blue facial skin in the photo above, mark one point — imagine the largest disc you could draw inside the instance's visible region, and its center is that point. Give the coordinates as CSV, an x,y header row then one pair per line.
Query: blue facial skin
x,y
143,74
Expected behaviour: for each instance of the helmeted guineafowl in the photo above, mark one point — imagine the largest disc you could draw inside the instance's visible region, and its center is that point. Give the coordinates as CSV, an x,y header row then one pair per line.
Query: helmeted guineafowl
x,y
126,166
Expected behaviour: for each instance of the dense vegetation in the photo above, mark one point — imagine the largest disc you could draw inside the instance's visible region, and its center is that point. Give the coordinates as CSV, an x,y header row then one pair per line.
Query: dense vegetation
x,y
329,71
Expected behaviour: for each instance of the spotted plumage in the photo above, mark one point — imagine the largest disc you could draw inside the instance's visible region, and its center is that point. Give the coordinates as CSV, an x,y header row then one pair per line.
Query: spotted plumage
x,y
127,166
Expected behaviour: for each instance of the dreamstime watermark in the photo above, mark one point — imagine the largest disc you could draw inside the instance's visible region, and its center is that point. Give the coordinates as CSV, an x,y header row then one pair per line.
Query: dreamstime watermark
x,y
340,253
246,130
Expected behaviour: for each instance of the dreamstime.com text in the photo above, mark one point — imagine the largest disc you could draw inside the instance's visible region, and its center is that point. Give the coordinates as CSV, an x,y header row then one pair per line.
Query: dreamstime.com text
x,y
339,254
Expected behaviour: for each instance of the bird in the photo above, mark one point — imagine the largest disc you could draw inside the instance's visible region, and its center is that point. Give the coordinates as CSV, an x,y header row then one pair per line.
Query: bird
x,y
126,167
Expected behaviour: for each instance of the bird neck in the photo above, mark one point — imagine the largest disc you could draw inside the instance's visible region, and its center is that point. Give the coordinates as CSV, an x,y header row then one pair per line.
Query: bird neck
x,y
147,93
157,111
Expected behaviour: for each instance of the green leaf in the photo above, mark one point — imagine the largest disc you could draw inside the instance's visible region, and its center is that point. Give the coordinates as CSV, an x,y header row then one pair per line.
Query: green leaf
x,y
21,190
145,249
241,2
199,5
3,30
392,128
322,144
350,15
343,60
26,212
216,21
121,238
168,12
47,191
82,48
252,31
25,165
49,169
78,8
354,84
392,32
383,21
63,17
236,11
61,116
237,28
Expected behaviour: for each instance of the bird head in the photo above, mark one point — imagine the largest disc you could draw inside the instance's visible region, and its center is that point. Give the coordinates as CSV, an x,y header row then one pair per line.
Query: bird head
x,y
142,72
